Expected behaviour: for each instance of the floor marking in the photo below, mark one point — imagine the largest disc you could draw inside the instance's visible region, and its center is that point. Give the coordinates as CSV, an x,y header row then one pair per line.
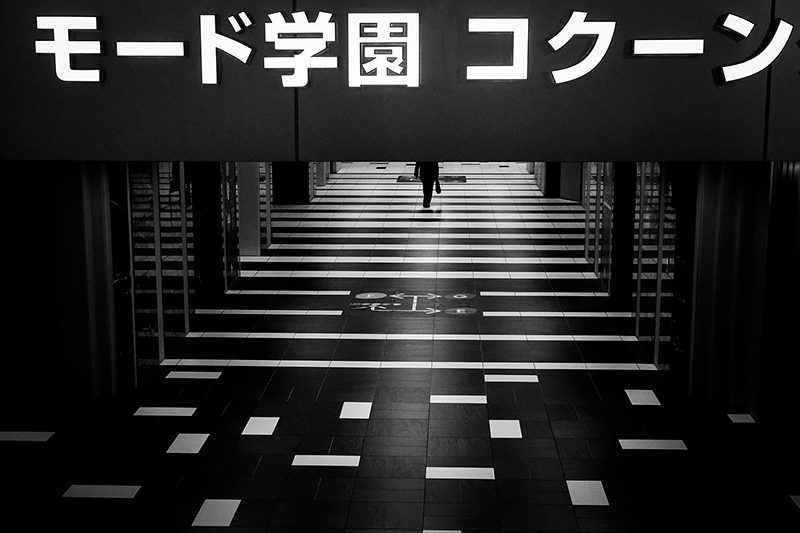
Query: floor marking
x,y
356,410
741,419
401,337
587,493
188,443
459,473
652,444
165,411
642,397
426,247
193,375
458,398
505,429
102,491
542,294
288,293
269,312
437,236
25,436
423,274
216,513
326,460
260,425
554,314
510,378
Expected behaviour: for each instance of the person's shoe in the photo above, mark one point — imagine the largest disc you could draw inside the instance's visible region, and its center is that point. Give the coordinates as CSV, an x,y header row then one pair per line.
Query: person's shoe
x,y
426,206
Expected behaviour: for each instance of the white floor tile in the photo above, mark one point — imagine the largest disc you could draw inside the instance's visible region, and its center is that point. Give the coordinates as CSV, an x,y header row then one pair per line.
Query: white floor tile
x,y
356,410
165,411
652,444
458,398
510,378
459,473
587,493
326,460
102,491
25,436
505,429
216,513
260,425
642,397
188,443
741,419
194,375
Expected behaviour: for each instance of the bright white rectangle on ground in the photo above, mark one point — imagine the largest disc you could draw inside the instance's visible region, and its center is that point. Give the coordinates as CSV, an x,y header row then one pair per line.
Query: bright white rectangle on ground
x,y
458,398
25,436
216,513
587,493
642,397
651,444
447,472
193,375
741,419
165,411
356,410
102,491
260,425
510,378
505,429
326,460
188,443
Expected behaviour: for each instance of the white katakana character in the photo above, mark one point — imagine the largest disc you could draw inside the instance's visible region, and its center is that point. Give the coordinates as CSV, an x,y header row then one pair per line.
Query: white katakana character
x,y
577,25
63,48
293,36
741,27
383,49
518,69
210,42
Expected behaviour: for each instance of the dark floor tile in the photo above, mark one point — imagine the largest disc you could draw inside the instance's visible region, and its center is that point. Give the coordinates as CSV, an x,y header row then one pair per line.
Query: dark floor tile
x,y
392,466
310,514
385,515
538,518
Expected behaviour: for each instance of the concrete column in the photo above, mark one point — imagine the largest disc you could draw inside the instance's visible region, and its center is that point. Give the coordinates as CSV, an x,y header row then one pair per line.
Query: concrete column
x,y
249,210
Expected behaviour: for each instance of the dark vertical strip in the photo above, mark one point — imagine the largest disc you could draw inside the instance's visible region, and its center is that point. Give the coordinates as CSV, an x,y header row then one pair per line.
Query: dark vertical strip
x,y
769,94
296,109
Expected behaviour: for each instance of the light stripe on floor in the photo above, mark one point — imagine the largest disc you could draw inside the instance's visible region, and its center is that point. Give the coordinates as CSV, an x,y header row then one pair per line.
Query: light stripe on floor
x,y
102,491
188,443
431,246
261,425
438,236
556,314
741,419
447,472
25,436
505,429
270,312
287,293
458,398
540,294
642,397
417,274
193,375
489,337
216,513
652,444
165,411
510,378
326,460
356,410
587,492
465,365
432,259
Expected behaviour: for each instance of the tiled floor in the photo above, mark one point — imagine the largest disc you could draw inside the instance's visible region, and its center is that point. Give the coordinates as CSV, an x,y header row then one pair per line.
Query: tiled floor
x,y
451,373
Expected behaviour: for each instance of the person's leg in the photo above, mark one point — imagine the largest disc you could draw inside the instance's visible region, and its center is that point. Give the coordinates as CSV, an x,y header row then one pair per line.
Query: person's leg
x,y
427,192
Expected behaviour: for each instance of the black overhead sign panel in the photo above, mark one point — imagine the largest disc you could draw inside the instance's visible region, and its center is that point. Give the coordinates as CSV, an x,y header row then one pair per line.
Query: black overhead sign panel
x,y
324,80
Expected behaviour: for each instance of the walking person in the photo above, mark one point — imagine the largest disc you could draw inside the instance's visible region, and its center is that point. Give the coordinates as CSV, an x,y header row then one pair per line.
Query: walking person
x,y
428,174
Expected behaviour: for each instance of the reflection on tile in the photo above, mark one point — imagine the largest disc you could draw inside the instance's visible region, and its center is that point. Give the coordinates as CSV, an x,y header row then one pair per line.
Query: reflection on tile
x,y
446,472
26,436
458,398
587,493
356,410
505,429
216,513
651,444
326,460
796,499
642,397
260,425
510,378
741,419
188,443
193,375
165,411
102,491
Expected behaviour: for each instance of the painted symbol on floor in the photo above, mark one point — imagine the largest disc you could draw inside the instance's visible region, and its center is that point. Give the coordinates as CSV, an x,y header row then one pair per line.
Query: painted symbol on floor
x,y
375,306
370,295
461,311
460,296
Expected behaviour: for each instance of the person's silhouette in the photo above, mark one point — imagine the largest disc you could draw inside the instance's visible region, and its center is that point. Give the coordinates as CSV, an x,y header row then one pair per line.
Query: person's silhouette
x,y
428,174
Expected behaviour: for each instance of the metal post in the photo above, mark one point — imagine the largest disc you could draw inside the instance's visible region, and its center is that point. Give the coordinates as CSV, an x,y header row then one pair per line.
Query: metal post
x,y
640,251
156,192
184,246
661,208
131,259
